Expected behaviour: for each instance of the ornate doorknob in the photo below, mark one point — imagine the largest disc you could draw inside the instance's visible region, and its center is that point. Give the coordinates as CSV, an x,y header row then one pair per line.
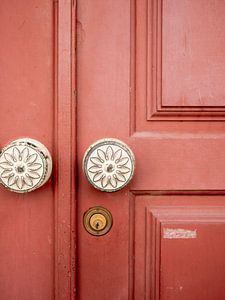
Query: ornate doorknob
x,y
109,165
25,165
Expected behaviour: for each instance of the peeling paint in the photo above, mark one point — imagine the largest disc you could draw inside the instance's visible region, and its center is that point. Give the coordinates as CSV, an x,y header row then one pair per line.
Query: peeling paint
x,y
173,233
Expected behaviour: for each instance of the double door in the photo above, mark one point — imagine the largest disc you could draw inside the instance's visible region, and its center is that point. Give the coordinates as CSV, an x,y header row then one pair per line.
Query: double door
x,y
148,75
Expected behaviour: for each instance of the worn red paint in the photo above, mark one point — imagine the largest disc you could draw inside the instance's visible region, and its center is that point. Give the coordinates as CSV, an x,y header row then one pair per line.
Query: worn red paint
x,y
151,74
37,101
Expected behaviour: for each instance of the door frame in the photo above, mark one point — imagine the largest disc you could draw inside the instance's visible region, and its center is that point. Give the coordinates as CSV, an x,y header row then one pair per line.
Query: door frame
x,y
64,148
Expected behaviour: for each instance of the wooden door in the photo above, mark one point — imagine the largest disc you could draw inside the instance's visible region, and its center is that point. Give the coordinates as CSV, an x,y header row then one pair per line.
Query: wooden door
x,y
151,73
36,101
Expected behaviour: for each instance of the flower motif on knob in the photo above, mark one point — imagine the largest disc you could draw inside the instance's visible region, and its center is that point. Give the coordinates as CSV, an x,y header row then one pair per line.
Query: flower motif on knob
x,y
21,168
109,165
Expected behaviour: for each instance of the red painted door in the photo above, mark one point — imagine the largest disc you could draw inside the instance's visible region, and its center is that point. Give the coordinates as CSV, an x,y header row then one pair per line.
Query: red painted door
x,y
36,101
151,73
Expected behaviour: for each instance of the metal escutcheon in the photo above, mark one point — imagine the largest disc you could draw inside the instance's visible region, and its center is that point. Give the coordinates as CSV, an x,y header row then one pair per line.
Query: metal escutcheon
x,y
97,221
25,165
109,165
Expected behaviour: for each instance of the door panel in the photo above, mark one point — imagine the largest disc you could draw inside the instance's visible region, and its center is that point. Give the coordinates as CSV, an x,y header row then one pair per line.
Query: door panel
x,y
178,249
35,95
150,74
26,91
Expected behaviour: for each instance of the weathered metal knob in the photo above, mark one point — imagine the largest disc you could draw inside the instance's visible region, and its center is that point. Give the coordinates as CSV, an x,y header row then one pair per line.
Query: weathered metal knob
x,y
109,165
25,165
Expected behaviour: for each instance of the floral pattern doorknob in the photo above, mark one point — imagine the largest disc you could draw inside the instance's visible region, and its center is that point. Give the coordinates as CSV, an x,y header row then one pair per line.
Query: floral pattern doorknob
x,y
25,165
109,165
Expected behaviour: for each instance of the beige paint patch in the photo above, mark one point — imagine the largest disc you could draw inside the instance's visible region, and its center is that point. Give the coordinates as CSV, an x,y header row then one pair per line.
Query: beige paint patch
x,y
173,233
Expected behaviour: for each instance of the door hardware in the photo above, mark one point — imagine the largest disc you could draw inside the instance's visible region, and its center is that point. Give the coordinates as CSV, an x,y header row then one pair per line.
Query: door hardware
x,y
97,221
109,165
25,165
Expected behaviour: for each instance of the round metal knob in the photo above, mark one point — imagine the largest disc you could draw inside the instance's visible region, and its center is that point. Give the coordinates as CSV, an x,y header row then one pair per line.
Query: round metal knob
x,y
109,165
25,165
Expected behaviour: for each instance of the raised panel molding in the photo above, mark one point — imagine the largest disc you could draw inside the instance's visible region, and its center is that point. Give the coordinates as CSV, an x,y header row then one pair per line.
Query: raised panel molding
x,y
152,64
155,224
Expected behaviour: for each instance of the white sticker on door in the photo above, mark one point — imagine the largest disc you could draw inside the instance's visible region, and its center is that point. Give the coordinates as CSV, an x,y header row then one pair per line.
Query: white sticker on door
x,y
173,233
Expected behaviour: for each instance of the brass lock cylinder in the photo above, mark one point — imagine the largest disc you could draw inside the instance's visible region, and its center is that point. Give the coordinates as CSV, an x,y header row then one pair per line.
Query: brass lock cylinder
x,y
97,221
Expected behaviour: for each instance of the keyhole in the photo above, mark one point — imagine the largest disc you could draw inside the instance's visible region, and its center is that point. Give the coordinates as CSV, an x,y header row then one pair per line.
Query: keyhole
x,y
98,222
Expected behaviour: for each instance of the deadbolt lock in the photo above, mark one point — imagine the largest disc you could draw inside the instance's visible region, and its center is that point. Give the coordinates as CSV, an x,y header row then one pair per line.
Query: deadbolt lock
x,y
97,221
